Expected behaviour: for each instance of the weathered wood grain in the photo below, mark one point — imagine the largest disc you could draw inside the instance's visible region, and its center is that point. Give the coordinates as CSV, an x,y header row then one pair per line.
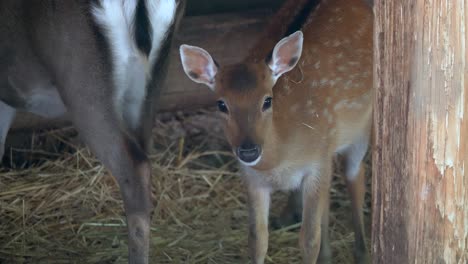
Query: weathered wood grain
x,y
420,190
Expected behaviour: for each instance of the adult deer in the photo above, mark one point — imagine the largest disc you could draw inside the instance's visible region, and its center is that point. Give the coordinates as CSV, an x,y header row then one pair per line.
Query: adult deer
x,y
286,128
102,63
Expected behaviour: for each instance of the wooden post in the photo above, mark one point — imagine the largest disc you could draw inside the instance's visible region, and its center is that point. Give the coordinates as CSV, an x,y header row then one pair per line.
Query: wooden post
x,y
420,188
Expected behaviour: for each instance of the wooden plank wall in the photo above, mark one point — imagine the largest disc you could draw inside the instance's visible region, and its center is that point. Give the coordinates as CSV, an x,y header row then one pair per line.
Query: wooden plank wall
x,y
420,189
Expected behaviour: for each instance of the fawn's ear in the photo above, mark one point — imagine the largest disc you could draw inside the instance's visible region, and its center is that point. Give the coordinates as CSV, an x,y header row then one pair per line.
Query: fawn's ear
x,y
198,65
286,54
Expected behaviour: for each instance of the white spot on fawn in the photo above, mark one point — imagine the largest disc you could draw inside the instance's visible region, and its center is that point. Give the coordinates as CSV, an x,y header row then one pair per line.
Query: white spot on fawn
x,y
328,116
342,68
312,112
348,84
294,108
317,65
341,104
354,105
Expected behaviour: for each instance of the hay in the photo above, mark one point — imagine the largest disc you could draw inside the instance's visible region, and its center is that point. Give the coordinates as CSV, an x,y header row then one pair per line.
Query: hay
x,y
59,205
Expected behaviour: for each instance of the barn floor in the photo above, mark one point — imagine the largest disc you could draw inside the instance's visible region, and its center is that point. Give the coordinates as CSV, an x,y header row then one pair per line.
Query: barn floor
x,y
59,205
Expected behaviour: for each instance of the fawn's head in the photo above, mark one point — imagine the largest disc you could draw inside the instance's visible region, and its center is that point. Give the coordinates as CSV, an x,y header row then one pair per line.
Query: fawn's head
x,y
245,92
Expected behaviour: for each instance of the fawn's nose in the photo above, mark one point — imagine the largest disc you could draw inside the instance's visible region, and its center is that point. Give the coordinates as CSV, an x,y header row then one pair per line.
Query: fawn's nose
x,y
249,152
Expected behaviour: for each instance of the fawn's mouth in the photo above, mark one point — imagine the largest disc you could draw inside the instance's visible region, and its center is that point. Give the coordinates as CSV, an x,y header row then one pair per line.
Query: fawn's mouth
x,y
249,156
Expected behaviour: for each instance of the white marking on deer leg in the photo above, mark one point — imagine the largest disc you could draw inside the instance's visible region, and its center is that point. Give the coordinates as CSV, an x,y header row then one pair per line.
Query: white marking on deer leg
x,y
131,68
131,99
161,16
117,18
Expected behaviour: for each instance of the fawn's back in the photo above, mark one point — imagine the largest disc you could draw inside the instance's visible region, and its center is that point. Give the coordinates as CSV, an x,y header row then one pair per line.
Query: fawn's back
x,y
324,104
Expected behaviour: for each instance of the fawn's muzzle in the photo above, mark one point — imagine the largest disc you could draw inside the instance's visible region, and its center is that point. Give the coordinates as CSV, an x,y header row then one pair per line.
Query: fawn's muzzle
x,y
248,152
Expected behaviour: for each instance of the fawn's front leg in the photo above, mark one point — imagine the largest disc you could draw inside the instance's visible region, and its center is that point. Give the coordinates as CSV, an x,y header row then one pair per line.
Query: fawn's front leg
x,y
315,200
259,204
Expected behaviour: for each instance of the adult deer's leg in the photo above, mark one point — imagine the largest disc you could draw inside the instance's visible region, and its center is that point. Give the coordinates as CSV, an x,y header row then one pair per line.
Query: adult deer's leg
x,y
129,165
93,116
259,204
315,189
7,114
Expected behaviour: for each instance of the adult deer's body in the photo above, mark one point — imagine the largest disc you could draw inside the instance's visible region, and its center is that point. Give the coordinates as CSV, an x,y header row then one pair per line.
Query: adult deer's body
x,y
285,131
101,63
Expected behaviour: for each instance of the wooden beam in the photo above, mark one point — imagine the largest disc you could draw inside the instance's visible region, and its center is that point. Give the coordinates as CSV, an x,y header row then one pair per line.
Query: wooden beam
x,y
228,37
420,189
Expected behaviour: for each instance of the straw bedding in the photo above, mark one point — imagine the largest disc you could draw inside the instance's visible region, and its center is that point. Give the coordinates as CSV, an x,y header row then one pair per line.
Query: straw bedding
x,y
58,204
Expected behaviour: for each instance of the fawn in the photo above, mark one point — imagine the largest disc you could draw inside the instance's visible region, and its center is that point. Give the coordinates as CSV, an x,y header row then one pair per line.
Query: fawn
x,y
101,63
286,128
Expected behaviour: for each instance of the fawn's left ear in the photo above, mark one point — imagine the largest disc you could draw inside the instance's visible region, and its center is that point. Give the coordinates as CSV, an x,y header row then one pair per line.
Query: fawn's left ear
x,y
286,54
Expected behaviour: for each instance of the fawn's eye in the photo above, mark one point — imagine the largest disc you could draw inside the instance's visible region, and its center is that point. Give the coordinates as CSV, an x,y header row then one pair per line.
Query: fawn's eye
x,y
267,103
222,106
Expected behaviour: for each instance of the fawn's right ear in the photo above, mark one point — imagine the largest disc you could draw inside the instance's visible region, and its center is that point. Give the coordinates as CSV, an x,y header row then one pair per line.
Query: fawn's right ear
x,y
198,65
